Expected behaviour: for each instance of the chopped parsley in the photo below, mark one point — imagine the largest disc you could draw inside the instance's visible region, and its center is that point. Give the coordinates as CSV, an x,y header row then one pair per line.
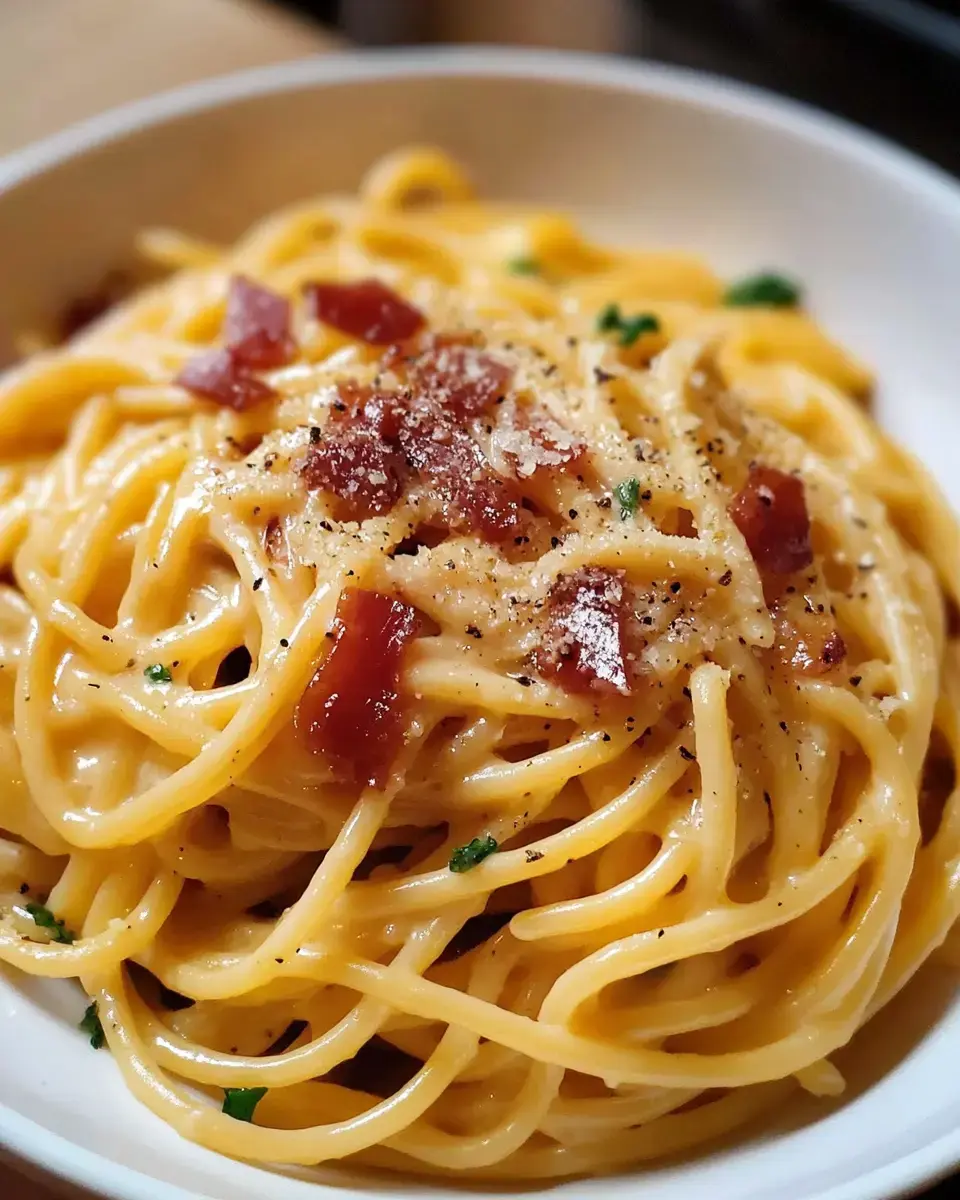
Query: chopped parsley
x,y
611,320
158,673
46,920
766,290
628,496
92,1026
523,264
465,858
239,1103
608,318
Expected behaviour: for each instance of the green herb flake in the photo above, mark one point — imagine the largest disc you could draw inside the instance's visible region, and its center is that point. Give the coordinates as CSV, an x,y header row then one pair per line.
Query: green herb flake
x,y
92,1026
158,673
636,327
766,290
523,264
465,858
46,920
628,496
611,320
240,1103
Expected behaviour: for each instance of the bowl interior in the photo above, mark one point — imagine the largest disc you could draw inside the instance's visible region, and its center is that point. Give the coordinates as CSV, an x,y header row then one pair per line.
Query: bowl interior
x,y
641,156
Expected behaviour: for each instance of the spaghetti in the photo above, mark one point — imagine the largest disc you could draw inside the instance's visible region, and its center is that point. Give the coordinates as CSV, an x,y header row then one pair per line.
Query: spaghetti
x,y
473,701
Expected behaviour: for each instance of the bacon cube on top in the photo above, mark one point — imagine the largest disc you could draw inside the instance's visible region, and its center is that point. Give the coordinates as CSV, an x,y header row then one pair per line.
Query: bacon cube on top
x,y
367,310
258,336
353,711
462,380
257,327
583,645
216,375
770,510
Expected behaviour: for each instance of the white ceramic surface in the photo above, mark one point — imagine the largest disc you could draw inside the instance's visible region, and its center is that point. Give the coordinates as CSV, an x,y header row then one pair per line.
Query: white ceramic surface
x,y
649,155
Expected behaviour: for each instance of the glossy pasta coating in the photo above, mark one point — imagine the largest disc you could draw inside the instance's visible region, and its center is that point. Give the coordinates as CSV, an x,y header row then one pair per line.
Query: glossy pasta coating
x,y
640,843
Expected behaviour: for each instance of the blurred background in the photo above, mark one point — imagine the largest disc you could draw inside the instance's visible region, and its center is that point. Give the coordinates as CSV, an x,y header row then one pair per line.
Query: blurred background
x,y
891,65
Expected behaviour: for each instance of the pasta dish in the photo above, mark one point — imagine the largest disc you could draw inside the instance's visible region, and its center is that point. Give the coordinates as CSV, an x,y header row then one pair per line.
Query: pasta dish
x,y
473,701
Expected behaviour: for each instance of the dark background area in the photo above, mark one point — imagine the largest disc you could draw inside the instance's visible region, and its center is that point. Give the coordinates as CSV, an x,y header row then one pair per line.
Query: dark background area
x,y
842,55
890,65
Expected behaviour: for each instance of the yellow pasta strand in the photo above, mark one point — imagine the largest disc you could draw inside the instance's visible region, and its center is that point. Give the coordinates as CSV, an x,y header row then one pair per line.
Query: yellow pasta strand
x,y
700,890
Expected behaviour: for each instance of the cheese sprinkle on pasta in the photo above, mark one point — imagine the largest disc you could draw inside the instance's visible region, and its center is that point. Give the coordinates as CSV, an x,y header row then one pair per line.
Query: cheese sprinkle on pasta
x,y
471,700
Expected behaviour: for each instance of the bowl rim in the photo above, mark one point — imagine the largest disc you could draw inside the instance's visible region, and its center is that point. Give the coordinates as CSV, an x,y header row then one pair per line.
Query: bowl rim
x,y
55,1153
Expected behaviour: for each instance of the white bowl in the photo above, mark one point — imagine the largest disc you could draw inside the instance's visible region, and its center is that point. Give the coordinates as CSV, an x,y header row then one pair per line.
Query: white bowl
x,y
641,153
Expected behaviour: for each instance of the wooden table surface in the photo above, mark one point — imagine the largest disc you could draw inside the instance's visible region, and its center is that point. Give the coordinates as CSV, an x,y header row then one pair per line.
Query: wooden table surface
x,y
62,60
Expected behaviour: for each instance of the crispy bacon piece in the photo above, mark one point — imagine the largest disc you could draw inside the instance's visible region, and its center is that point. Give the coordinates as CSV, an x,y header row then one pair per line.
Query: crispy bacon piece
x,y
357,466
256,327
358,458
373,440
352,710
367,310
805,640
462,380
257,333
770,511
534,441
583,644
474,497
452,370
216,375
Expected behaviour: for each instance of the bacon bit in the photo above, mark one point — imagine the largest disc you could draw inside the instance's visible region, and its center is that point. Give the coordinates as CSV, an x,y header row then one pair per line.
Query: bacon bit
x,y
257,333
532,439
771,513
369,447
452,370
833,651
358,467
357,458
807,642
461,379
275,542
257,325
367,310
473,496
352,710
372,442
216,375
583,645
